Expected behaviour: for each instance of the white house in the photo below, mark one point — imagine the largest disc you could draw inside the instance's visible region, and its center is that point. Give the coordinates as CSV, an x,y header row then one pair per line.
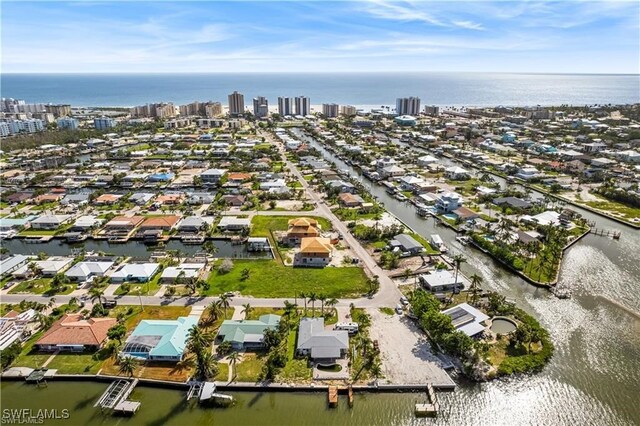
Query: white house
x,y
448,202
457,173
53,265
82,271
440,281
527,173
138,272
467,319
186,270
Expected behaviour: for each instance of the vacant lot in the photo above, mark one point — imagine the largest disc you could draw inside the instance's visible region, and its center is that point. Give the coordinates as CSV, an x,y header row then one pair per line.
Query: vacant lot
x,y
261,225
269,278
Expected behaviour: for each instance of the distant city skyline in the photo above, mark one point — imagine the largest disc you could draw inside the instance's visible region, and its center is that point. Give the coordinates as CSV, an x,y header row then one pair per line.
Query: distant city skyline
x,y
341,36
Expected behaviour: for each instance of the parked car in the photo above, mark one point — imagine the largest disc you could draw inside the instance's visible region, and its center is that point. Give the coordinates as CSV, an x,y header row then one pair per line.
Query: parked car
x,y
399,309
110,303
404,301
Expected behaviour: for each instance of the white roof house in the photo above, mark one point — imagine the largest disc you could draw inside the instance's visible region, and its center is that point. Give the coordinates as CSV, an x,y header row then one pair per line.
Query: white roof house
x,y
233,222
86,222
467,319
141,272
190,270
84,270
440,281
53,265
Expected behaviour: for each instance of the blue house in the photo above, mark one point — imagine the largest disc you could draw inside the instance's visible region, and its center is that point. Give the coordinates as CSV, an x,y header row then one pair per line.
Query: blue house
x,y
160,340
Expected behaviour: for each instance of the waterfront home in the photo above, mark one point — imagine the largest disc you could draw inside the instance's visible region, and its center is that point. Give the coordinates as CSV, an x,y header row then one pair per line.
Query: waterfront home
x,y
18,197
83,271
238,178
341,186
16,326
440,281
234,200
513,202
47,198
53,265
50,221
123,224
74,333
162,223
160,340
314,252
392,171
346,199
271,184
234,223
406,244
212,176
528,173
258,244
301,227
107,199
161,177
185,270
169,199
247,334
448,202
84,223
199,198
141,198
79,199
426,160
322,346
464,213
15,224
12,263
135,272
467,319
191,224
457,173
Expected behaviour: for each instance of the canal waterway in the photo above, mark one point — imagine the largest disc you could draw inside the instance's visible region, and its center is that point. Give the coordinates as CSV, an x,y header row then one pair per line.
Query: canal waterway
x,y
131,248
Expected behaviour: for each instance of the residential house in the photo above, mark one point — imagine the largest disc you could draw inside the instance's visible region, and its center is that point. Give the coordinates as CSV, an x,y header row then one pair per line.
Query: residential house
x,y
16,326
185,270
406,244
457,173
238,178
448,202
141,198
392,171
53,265
74,333
301,227
408,183
322,346
247,334
191,224
464,213
79,199
162,223
135,272
234,223
314,252
83,271
440,281
160,340
341,186
50,221
528,173
346,199
107,199
84,223
234,200
467,319
212,176
12,263
170,199
513,202
123,224
426,160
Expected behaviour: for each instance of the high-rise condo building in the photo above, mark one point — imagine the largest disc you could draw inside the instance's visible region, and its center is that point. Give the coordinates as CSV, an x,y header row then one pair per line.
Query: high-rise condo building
x,y
348,110
303,105
103,123
432,110
408,106
61,110
330,110
213,109
260,107
236,104
285,106
67,123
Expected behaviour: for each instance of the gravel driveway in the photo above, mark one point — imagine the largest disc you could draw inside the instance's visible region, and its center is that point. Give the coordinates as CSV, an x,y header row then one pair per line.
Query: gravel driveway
x,y
406,354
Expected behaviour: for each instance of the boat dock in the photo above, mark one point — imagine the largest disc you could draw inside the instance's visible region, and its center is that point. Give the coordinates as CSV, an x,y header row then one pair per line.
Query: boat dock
x,y
430,408
605,233
115,397
333,396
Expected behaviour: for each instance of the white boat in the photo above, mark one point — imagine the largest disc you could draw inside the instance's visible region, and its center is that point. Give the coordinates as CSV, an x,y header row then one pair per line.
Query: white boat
x,y
436,242
464,240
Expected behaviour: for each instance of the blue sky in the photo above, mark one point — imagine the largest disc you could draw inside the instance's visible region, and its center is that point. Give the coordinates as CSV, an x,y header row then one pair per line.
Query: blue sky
x,y
481,36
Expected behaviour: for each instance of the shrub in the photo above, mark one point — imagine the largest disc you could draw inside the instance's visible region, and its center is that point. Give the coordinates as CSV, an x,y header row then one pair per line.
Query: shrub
x,y
225,267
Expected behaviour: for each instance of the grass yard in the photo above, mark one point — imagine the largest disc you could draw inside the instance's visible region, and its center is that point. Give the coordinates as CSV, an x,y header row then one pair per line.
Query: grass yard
x,y
223,372
150,312
250,369
176,372
425,243
30,357
261,225
268,278
146,289
616,209
75,363
37,232
41,286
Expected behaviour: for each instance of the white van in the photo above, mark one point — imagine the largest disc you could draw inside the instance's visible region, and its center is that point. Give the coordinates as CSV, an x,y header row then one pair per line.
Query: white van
x,y
351,327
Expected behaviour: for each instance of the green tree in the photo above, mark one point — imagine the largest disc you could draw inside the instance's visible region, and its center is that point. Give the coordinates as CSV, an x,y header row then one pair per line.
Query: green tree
x,y
246,310
128,365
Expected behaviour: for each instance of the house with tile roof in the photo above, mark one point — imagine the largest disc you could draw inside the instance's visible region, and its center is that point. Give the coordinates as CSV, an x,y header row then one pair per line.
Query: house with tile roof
x,y
247,334
301,227
160,340
74,333
314,252
163,223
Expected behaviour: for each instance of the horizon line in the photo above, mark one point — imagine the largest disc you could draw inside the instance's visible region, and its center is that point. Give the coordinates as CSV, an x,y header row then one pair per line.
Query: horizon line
x,y
309,72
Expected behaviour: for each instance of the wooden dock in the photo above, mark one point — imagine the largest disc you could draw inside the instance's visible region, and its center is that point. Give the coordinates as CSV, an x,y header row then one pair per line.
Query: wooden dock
x,y
333,396
605,233
430,408
350,393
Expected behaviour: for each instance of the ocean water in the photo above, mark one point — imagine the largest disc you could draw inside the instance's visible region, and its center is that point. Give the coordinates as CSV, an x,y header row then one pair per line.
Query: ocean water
x,y
361,89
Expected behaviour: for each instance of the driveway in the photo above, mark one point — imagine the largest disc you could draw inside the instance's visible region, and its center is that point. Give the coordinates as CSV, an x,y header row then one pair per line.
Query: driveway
x,y
406,354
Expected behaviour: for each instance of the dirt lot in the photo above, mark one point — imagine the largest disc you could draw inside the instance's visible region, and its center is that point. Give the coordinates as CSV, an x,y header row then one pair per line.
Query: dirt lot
x,y
406,355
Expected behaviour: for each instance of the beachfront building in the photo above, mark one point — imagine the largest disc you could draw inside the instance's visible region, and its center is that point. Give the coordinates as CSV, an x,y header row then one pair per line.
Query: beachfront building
x,y
236,104
322,346
74,333
160,340
247,334
260,107
348,110
408,106
103,123
303,105
330,110
67,123
285,106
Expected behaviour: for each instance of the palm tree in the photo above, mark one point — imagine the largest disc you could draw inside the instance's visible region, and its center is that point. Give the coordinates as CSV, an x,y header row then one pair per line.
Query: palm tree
x,y
225,303
206,365
289,308
128,365
458,259
376,371
95,293
246,310
234,357
214,310
331,302
322,298
198,340
313,297
52,302
476,280
304,298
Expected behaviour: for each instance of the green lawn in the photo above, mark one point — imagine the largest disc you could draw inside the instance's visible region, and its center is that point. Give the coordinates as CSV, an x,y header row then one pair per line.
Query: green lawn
x,y
223,372
29,357
71,363
149,312
615,208
250,368
41,286
261,225
148,288
425,243
37,232
269,278
387,311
